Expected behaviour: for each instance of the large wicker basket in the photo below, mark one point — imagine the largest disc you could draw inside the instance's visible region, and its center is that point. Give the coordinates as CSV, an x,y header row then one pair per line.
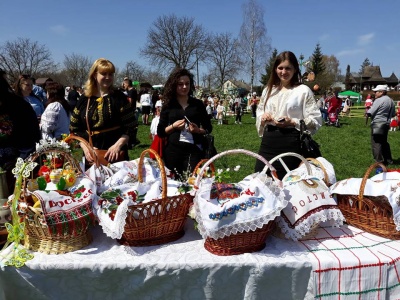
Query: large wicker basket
x,y
241,242
157,222
38,236
372,214
277,232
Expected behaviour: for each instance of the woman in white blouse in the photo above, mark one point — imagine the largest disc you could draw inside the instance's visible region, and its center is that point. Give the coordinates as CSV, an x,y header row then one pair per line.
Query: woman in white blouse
x,y
284,102
56,117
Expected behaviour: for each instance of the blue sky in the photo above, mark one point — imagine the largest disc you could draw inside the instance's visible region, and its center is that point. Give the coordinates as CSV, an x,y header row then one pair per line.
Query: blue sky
x,y
352,30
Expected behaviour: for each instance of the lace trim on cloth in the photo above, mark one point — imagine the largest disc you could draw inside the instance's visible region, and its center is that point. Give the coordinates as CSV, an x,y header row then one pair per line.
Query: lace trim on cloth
x,y
246,219
334,215
114,229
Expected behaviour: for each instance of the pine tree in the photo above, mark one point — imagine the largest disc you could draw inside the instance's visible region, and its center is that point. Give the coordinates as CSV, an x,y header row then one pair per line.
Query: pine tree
x,y
366,63
347,79
317,65
269,68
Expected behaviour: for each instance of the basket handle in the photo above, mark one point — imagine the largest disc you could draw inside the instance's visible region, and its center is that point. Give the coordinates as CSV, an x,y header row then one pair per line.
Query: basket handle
x,y
317,163
72,161
302,158
199,164
86,143
237,151
161,166
366,176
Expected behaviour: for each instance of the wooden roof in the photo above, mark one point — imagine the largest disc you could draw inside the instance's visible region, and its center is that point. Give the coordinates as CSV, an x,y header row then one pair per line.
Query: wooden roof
x,y
43,80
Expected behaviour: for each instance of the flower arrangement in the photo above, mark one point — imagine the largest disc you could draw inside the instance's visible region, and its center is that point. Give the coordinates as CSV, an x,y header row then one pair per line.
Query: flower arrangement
x,y
224,175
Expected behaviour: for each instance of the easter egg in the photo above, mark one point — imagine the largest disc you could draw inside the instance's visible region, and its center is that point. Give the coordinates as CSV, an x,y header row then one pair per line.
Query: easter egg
x,y
70,179
32,185
41,181
61,184
55,175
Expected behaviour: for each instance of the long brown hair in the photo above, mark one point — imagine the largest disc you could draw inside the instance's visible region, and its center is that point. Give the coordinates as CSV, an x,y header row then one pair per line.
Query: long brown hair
x,y
274,80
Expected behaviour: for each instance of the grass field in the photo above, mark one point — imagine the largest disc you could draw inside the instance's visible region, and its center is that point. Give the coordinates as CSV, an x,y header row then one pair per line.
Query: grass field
x,y
347,148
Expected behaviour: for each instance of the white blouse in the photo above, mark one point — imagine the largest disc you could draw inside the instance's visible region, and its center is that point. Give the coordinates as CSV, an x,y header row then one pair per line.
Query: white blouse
x,y
54,121
297,103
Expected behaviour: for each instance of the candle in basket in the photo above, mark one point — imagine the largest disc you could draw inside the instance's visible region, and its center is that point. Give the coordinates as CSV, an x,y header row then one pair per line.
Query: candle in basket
x,y
55,175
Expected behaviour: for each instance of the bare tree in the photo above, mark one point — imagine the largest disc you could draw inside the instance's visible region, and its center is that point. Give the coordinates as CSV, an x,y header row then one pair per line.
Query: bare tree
x,y
173,42
76,68
23,56
254,44
134,71
223,57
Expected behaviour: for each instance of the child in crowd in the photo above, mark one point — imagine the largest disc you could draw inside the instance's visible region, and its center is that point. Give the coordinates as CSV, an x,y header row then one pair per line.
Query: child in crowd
x,y
393,124
220,112
238,112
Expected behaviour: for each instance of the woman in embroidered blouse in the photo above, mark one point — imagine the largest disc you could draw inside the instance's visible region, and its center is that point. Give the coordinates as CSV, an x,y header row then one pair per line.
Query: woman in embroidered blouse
x,y
185,137
23,87
55,119
110,116
284,102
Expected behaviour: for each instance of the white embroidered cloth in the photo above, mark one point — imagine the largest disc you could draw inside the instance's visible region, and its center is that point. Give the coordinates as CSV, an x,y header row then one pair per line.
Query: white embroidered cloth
x,y
384,184
310,204
259,203
83,192
114,227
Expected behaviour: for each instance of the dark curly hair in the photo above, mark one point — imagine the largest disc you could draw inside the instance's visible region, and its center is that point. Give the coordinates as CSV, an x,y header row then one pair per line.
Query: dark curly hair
x,y
171,85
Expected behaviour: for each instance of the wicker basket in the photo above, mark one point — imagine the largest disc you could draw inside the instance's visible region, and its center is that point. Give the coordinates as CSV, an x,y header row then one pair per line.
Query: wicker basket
x,y
245,242
314,230
157,222
38,236
371,214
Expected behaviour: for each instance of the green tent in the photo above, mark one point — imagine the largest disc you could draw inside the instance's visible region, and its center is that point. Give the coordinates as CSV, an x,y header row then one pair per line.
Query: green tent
x,y
349,93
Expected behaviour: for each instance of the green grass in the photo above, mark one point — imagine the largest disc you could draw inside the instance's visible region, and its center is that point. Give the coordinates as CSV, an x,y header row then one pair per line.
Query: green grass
x,y
348,148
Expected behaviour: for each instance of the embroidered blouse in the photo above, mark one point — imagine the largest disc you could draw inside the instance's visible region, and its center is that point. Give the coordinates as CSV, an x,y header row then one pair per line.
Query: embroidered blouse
x,y
297,103
113,110
54,121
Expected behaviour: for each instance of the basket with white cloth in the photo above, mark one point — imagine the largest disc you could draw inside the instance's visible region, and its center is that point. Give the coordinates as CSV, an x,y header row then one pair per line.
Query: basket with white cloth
x,y
236,218
56,201
310,202
371,204
146,210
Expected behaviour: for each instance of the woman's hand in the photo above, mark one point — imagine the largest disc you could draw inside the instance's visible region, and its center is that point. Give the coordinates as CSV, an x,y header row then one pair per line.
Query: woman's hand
x,y
87,153
193,128
112,153
284,122
179,125
266,118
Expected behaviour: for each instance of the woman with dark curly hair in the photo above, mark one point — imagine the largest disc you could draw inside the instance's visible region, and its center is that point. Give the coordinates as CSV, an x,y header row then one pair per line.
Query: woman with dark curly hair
x,y
110,117
183,121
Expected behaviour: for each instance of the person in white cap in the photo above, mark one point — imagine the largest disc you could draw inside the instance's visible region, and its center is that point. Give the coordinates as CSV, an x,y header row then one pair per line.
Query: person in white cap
x,y
381,112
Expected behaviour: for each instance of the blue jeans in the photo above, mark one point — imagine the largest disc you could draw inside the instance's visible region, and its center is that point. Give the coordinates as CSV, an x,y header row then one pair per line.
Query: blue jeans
x,y
324,113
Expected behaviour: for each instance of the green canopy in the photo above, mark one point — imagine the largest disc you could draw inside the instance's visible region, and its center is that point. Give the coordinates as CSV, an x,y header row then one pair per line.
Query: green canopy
x,y
349,93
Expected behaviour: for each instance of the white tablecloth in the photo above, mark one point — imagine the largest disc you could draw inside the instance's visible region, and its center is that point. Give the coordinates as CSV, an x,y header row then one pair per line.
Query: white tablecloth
x,y
360,267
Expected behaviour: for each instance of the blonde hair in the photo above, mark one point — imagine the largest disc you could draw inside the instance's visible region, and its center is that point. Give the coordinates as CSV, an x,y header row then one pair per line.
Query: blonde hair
x,y
100,65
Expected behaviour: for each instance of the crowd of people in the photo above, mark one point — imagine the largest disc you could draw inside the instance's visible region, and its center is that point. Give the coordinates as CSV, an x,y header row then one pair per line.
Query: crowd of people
x,y
108,115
